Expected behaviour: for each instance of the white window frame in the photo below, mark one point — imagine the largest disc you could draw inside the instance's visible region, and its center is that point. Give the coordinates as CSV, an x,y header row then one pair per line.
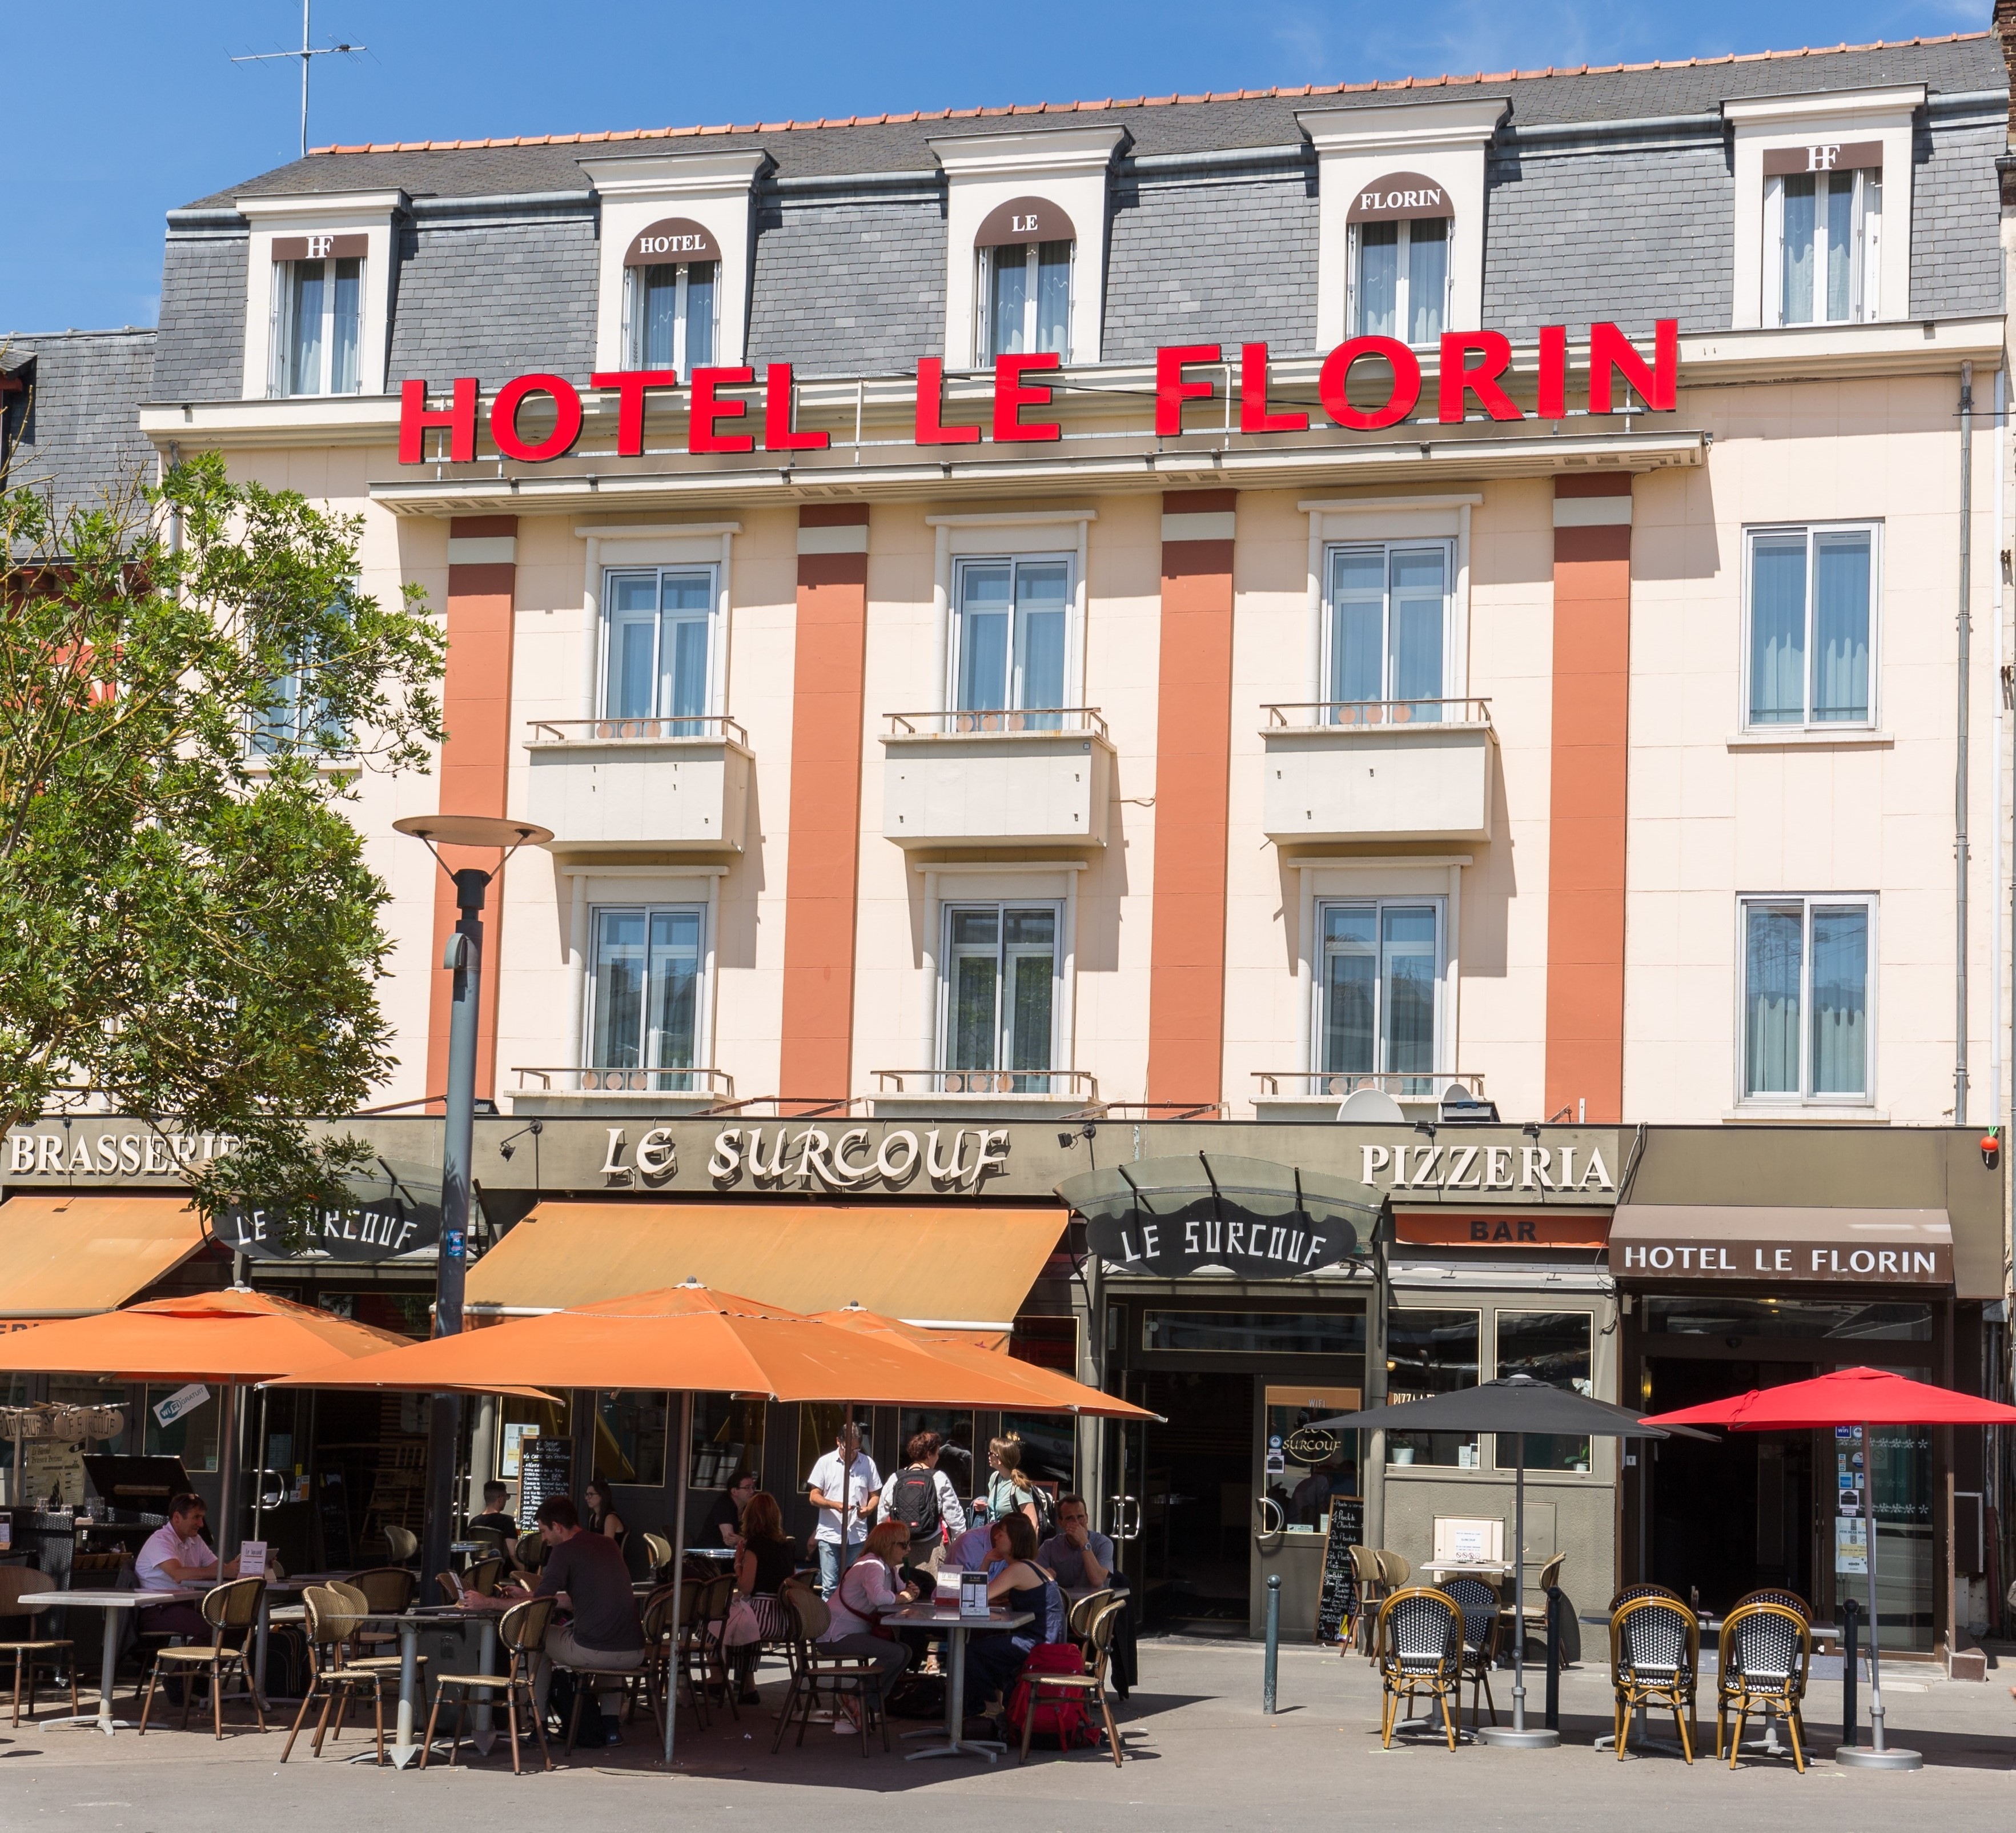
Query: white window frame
x,y
1451,594
1751,534
717,627
633,321
281,337
955,643
1865,270
989,259
948,907
1807,902
703,988
1319,979
1403,309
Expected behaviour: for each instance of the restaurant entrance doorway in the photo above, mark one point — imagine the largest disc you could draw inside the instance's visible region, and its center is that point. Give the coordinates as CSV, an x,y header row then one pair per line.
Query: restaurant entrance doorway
x,y
1740,1514
1192,1473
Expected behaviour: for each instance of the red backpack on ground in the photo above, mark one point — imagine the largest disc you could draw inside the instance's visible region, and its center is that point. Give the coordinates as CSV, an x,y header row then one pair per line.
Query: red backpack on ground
x,y
1062,1718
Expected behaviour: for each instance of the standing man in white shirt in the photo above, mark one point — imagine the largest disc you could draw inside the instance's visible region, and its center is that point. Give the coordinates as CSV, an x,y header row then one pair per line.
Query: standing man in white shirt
x,y
173,1556
844,1484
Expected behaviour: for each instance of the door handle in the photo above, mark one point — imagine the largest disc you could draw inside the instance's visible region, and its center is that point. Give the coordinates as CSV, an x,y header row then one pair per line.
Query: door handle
x,y
1262,1505
1124,1518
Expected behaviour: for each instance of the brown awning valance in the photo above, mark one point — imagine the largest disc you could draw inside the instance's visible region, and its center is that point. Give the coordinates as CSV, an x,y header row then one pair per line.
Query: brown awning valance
x,y
1782,1246
320,247
670,240
1024,219
1400,194
1823,155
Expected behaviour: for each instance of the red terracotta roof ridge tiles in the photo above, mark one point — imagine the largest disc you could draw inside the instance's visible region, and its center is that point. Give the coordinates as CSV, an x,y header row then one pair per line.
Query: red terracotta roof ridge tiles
x,y
1282,92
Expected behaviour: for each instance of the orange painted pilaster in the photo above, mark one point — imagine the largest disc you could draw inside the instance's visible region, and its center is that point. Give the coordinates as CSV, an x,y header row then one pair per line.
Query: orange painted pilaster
x,y
475,762
1587,828
816,1040
1193,769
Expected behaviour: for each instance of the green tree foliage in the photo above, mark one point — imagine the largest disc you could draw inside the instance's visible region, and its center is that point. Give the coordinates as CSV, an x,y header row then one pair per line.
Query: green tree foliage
x,y
190,686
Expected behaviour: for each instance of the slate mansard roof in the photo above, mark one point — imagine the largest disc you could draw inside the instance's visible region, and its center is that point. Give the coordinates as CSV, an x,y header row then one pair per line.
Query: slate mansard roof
x,y
1610,195
79,438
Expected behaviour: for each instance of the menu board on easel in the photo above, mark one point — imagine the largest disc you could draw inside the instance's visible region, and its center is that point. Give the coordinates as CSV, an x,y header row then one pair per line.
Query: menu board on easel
x,y
1338,1599
545,1467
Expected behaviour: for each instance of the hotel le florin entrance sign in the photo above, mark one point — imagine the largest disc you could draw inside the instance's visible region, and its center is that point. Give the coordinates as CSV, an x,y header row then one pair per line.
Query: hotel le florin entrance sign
x,y
1250,1217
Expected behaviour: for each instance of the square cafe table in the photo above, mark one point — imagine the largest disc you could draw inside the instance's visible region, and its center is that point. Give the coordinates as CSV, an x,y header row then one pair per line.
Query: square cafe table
x,y
405,1746
956,1628
109,1601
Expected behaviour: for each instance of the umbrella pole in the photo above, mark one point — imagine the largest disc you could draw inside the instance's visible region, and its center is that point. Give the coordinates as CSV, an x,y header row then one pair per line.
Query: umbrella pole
x,y
227,1472
259,1481
1518,1737
679,1571
1879,1755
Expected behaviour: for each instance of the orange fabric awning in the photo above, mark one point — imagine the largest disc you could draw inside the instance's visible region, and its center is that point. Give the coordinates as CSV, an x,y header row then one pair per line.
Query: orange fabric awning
x,y
69,1256
945,1267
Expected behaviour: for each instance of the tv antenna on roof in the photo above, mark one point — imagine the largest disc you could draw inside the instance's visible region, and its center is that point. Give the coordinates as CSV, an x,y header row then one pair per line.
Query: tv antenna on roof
x,y
307,54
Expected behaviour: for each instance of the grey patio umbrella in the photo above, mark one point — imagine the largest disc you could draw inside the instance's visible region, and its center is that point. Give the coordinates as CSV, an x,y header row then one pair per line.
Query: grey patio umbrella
x,y
1518,1404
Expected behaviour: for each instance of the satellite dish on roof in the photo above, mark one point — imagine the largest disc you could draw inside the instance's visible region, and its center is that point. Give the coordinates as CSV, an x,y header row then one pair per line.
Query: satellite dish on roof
x,y
1370,1107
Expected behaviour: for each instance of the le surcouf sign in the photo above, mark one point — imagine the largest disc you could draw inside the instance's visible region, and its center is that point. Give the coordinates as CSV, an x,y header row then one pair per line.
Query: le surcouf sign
x,y
1472,369
773,1159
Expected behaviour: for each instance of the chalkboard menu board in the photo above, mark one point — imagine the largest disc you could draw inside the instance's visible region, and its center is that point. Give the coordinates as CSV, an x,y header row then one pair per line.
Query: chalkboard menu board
x,y
1339,1595
545,1467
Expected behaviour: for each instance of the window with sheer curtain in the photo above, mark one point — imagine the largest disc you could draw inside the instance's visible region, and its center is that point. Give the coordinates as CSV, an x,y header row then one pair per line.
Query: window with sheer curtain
x,y
1822,228
644,991
318,315
660,625
1012,625
670,310
1402,279
1381,989
1025,299
1807,996
1387,626
1001,965
1813,602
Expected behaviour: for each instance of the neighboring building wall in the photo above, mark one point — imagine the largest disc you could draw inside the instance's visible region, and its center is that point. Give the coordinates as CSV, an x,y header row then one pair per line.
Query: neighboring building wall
x,y
80,442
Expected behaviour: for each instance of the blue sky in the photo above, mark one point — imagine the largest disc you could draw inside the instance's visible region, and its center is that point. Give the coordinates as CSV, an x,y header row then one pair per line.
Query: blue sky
x,y
118,112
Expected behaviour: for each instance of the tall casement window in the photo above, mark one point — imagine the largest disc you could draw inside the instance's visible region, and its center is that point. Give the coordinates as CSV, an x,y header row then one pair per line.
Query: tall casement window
x,y
1011,637
1813,622
660,664
1000,993
644,996
671,279
1387,628
1380,990
1823,222
1024,249
1400,227
318,314
1807,998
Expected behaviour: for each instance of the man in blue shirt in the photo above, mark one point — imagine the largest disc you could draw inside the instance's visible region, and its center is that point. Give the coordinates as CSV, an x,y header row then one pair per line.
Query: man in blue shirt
x,y
1081,1558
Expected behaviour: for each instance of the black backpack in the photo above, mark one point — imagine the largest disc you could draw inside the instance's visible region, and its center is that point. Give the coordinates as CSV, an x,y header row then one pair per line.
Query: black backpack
x,y
913,1500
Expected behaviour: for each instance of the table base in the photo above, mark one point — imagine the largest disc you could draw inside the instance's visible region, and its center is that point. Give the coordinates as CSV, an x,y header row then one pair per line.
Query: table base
x,y
990,1748
1857,1756
1504,1738
85,1722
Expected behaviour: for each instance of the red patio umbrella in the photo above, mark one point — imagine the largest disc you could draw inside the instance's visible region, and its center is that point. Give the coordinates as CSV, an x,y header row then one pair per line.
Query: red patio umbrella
x,y
1861,1397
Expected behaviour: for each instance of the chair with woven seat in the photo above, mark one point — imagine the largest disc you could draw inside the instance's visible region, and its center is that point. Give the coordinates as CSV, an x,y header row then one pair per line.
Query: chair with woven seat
x,y
1483,1628
1079,1619
1767,1648
841,1676
1654,1660
1368,1589
233,1605
648,1672
1631,1593
24,1591
658,1556
1419,1647
404,1544
387,1590
523,1634
699,1657
331,1626
1777,1594
1062,1687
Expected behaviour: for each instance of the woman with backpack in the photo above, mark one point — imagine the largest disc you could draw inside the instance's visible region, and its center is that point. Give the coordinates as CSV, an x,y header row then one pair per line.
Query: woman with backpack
x,y
994,1660
922,1497
1010,1490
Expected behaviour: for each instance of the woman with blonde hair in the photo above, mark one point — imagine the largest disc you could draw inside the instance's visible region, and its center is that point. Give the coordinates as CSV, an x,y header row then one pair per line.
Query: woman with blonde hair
x,y
1009,1489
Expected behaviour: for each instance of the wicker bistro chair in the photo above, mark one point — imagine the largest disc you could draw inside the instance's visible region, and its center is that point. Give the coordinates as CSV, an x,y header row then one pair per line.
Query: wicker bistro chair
x,y
658,1554
523,1634
1079,1619
1055,1686
232,1605
1655,1658
332,1626
24,1591
1766,1650
1775,1594
647,1673
1369,1589
403,1542
1483,1628
1631,1593
1419,1647
387,1590
699,1658
810,1671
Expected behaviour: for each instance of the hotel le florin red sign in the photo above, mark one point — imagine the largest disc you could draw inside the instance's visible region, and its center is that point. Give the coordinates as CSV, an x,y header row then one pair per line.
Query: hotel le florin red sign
x,y
1471,370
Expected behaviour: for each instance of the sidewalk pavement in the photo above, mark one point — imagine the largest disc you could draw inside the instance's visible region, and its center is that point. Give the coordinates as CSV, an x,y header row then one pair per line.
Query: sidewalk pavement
x,y
1202,1758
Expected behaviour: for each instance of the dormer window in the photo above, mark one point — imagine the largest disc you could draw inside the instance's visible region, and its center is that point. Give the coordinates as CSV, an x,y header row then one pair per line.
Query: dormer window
x,y
671,298
318,314
1024,248
1822,216
1399,227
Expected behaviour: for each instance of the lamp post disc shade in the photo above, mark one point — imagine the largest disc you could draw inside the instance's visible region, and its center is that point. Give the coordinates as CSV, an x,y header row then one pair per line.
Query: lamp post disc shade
x,y
1518,1404
473,830
232,1336
1847,1397
690,1338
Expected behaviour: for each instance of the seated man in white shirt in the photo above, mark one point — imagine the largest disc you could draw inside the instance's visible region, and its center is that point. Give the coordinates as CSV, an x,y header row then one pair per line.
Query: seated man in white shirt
x,y
174,1557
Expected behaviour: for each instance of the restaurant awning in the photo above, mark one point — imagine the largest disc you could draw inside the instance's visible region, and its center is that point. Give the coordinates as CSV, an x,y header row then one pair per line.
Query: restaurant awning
x,y
1782,1246
70,1256
963,1268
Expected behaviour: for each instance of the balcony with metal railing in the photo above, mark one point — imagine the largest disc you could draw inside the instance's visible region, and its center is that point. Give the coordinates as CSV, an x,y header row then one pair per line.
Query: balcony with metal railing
x,y
621,785
1312,1094
1033,776
989,1094
588,1088
1344,770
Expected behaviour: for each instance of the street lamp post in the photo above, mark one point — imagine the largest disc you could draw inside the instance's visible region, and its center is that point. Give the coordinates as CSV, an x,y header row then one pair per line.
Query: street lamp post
x,y
462,958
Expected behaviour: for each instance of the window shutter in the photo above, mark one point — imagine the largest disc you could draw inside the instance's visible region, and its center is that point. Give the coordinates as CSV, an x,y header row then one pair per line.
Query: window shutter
x,y
276,330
